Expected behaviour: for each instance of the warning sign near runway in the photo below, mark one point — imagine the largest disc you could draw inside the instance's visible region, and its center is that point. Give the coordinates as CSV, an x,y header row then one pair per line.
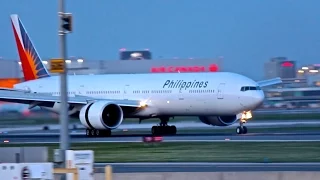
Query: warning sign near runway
x,y
57,65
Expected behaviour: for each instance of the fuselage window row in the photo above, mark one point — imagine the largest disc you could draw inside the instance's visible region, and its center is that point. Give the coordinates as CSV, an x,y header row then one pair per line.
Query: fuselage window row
x,y
152,91
138,92
103,92
202,91
55,93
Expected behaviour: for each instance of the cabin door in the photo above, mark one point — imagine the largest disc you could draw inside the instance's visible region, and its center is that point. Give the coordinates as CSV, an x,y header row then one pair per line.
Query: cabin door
x,y
181,94
126,91
220,90
81,91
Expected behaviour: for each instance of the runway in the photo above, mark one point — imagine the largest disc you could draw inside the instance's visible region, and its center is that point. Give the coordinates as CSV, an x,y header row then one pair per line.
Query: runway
x,y
205,167
179,125
218,137
200,133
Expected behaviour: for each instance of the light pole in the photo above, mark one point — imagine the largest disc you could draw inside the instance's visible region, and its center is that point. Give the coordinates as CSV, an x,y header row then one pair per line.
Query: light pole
x,y
65,26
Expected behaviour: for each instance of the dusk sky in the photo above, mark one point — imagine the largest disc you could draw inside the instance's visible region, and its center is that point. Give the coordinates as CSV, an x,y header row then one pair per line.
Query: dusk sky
x,y
245,32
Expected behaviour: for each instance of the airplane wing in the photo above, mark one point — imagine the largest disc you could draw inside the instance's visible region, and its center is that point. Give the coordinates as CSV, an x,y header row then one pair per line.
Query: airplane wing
x,y
42,99
269,82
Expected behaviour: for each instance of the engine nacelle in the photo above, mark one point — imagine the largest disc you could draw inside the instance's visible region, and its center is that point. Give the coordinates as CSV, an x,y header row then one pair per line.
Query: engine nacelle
x,y
101,115
218,120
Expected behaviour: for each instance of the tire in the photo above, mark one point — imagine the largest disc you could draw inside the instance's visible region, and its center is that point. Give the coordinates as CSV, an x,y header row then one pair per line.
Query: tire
x,y
245,130
239,130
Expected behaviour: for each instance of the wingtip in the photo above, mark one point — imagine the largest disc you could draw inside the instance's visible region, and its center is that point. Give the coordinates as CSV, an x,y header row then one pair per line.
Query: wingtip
x,y
279,79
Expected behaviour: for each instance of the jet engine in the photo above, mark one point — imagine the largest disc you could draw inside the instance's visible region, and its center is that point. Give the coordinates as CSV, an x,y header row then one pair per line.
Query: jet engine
x,y
218,120
101,115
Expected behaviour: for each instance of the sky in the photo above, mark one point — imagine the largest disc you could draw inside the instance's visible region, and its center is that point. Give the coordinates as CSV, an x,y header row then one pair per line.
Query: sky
x,y
245,33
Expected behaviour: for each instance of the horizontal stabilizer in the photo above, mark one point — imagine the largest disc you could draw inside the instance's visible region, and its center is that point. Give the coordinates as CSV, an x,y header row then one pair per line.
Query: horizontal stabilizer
x,y
270,82
11,89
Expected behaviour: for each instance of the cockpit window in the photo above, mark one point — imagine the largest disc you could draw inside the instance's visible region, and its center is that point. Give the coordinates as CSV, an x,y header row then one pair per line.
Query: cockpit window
x,y
250,88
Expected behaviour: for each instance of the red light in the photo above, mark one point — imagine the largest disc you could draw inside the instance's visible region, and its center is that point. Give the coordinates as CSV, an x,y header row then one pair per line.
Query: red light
x,y
164,69
213,68
287,64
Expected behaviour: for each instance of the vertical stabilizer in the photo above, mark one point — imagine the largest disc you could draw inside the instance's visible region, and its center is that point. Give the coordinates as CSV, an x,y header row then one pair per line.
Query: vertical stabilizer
x,y
32,65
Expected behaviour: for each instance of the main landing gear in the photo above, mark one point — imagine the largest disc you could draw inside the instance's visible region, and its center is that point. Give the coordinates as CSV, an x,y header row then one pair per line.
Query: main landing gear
x,y
244,117
98,133
164,128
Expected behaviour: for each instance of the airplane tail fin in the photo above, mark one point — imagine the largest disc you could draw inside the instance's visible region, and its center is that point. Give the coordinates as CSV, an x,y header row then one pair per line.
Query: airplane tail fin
x,y
32,65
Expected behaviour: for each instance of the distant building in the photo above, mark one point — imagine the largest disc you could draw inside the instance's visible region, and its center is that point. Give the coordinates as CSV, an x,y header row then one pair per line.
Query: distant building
x,y
135,55
9,69
280,67
311,73
12,69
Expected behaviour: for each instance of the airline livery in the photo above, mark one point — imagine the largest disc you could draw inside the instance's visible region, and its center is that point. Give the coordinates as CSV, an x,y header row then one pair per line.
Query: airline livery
x,y
102,102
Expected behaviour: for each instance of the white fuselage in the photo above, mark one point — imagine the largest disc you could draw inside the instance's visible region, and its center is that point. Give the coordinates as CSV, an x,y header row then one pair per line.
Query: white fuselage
x,y
174,94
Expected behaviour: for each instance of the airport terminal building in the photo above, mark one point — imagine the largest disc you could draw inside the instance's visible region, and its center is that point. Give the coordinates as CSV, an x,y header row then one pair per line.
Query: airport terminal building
x,y
131,62
11,69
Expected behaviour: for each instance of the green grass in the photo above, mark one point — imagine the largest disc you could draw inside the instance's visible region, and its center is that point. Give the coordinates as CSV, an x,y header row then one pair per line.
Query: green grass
x,y
6,122
199,152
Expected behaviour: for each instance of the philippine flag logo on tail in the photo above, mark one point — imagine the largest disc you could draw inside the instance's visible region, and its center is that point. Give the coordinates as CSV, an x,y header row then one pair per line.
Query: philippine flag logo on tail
x,y
32,65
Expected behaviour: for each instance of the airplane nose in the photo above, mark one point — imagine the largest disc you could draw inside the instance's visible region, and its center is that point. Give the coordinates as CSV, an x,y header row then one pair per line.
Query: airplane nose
x,y
258,99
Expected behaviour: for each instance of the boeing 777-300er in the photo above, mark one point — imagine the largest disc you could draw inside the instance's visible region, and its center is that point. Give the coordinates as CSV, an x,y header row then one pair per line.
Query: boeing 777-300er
x,y
101,102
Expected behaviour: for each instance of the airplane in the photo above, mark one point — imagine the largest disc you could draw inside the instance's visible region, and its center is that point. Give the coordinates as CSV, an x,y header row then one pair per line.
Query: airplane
x,y
102,102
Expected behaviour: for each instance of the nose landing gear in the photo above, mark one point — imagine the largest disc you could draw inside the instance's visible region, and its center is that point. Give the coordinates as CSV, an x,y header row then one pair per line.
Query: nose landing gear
x,y
242,129
244,117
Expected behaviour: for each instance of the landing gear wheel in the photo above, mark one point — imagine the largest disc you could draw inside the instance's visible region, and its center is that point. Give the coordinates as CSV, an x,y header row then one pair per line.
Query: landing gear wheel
x,y
105,133
239,130
98,133
154,130
245,130
163,130
173,130
242,130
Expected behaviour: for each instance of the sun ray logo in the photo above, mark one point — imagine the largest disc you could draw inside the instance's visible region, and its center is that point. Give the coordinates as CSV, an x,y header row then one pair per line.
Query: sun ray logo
x,y
32,65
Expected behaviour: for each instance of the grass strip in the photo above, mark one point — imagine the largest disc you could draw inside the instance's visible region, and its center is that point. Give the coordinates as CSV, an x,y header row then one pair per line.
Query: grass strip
x,y
198,152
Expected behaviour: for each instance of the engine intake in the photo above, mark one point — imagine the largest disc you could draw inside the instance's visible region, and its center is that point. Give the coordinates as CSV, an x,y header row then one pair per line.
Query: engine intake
x,y
101,115
218,120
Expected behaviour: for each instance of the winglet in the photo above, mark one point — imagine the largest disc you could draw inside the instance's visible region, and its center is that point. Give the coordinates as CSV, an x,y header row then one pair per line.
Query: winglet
x,y
270,82
32,65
